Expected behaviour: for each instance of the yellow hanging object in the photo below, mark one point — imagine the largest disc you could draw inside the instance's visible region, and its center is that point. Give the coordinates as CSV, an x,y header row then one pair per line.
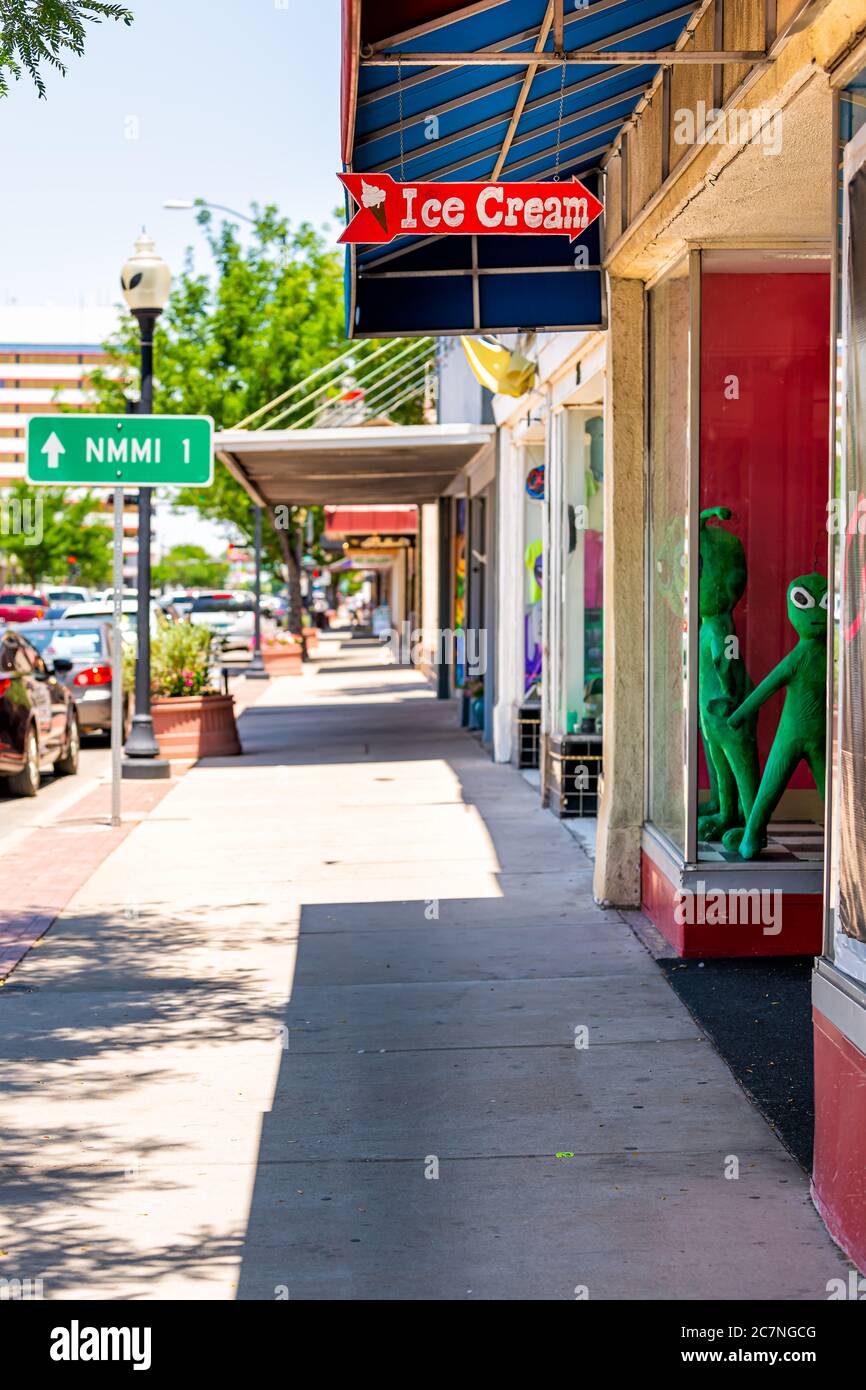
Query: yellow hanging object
x,y
503,372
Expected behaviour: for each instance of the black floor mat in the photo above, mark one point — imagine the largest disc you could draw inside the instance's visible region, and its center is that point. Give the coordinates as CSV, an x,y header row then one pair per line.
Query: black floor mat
x,y
758,1014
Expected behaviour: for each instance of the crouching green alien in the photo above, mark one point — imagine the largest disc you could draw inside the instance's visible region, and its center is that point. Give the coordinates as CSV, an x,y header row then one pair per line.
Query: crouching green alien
x,y
802,727
731,751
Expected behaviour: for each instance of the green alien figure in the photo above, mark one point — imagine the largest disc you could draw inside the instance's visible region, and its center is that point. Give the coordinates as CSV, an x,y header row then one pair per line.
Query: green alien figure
x,y
802,727
732,753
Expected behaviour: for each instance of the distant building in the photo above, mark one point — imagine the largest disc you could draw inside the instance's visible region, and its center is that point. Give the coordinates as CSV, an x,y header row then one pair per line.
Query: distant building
x,y
47,355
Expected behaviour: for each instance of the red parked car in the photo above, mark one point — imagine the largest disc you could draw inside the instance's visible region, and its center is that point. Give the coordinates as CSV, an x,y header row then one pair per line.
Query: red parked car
x,y
18,607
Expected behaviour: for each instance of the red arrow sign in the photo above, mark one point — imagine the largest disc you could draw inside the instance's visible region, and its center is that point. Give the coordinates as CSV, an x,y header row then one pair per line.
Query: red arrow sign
x,y
387,209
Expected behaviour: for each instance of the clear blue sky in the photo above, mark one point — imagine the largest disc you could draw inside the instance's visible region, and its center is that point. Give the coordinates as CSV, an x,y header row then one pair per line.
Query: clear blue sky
x,y
235,100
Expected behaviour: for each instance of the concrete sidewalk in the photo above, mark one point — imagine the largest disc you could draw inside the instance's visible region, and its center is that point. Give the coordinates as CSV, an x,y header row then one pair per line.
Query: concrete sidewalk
x,y
318,976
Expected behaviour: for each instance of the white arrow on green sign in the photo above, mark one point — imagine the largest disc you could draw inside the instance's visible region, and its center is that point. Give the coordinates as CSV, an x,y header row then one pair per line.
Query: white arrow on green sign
x,y
120,450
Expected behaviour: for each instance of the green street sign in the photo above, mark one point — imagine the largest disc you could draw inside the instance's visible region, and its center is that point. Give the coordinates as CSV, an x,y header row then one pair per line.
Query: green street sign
x,y
120,450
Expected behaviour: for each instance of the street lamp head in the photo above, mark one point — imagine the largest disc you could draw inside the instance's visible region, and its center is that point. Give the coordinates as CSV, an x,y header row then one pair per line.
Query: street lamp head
x,y
182,204
145,279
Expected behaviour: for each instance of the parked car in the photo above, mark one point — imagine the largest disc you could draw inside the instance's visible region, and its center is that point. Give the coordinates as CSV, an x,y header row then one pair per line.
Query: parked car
x,y
181,604
107,595
38,719
87,647
16,606
104,613
62,596
230,617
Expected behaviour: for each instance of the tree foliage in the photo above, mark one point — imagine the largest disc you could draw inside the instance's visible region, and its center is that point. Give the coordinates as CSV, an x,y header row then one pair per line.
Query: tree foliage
x,y
60,537
34,33
189,567
228,344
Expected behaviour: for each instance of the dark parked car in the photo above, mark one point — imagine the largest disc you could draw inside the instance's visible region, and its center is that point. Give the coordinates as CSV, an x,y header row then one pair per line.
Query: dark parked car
x,y
38,720
87,648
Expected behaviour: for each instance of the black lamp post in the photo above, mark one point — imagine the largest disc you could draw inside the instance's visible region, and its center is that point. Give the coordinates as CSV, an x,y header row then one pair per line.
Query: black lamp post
x,y
256,669
145,280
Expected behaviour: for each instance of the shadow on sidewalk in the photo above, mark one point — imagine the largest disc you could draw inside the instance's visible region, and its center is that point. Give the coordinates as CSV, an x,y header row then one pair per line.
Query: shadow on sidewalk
x,y
119,994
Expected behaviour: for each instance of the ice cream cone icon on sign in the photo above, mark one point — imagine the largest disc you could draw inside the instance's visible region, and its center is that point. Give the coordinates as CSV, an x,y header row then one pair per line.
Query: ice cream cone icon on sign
x,y
373,198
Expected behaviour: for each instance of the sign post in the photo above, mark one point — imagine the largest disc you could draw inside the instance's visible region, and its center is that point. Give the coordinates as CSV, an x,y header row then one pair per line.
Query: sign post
x,y
117,452
117,660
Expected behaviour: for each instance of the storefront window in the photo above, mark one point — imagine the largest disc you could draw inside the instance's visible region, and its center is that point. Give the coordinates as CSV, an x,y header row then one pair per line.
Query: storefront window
x,y
668,551
533,565
764,414
849,869
757,510
582,540
460,591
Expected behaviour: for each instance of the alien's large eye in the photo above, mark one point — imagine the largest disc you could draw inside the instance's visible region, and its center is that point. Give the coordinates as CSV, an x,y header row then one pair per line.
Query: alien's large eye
x,y
801,598
824,602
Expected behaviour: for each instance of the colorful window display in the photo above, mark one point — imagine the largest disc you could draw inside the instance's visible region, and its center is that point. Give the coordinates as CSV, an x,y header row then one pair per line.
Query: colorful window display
x,y
737,753
849,870
580,527
460,591
764,421
533,558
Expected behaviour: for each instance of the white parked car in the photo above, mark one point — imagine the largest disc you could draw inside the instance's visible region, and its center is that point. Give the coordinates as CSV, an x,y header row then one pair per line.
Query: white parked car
x,y
60,596
104,612
107,595
230,617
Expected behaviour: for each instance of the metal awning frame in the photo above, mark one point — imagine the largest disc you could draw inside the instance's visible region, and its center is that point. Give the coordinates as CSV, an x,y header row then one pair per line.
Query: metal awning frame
x,y
500,53
577,141
327,457
659,57
496,151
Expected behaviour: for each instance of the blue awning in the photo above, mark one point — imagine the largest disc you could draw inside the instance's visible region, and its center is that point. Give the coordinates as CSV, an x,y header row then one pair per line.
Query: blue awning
x,y
454,122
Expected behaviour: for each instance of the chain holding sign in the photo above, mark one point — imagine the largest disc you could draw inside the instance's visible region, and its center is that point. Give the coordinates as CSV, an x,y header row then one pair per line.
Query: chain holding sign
x,y
388,209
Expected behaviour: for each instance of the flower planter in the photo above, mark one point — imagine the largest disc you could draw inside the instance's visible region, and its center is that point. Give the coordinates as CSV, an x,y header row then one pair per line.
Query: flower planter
x,y
196,726
282,659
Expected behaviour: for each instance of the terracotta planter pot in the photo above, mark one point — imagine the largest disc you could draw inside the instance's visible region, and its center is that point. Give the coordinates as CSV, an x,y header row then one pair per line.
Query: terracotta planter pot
x,y
282,660
196,726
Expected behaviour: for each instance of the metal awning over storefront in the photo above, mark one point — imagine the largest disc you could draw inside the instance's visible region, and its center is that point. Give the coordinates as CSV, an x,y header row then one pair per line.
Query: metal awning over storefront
x,y
362,464
496,90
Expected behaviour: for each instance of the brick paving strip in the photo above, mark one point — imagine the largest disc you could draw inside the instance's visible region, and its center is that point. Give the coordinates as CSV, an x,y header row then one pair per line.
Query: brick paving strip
x,y
52,862
49,863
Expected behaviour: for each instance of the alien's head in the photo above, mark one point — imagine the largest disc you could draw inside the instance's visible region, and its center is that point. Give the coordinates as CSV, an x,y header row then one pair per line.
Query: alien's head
x,y
807,605
722,564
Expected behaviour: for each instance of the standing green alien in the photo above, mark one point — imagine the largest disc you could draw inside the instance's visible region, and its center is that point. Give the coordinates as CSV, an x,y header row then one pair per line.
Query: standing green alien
x,y
802,727
723,682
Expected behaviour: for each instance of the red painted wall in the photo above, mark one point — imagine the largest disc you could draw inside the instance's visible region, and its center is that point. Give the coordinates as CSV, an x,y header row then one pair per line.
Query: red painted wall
x,y
765,454
839,1174
382,18
341,521
801,934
